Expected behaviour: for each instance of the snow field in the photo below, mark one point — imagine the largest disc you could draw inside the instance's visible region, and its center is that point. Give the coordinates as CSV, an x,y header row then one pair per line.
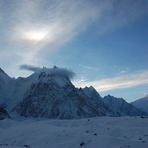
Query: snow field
x,y
99,132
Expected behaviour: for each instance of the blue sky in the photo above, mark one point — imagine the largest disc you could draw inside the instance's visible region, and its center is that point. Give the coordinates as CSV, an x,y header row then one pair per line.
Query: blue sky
x,y
104,42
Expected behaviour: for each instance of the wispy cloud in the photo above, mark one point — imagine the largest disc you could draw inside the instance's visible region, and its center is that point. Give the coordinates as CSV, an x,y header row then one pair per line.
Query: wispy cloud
x,y
27,27
121,69
119,82
29,67
61,20
87,67
34,24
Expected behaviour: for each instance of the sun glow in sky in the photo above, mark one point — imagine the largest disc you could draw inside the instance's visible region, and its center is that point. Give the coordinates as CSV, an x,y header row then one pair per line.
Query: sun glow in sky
x,y
34,36
104,42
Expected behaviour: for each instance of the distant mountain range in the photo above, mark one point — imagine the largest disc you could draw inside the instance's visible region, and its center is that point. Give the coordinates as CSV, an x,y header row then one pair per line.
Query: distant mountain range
x,y
49,93
142,103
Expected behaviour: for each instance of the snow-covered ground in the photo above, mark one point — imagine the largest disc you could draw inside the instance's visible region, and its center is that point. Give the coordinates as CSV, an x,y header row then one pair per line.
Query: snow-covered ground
x,y
100,132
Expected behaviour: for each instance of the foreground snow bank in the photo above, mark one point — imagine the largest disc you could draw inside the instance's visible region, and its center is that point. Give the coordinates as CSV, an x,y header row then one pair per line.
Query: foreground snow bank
x,y
100,132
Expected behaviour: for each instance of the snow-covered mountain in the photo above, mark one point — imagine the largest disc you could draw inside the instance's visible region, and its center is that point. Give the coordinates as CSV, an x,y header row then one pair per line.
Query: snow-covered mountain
x,y
113,106
119,107
54,96
49,93
142,103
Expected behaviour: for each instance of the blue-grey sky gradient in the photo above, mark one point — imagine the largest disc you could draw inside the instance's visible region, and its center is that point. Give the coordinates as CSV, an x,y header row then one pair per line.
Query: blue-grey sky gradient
x,y
104,42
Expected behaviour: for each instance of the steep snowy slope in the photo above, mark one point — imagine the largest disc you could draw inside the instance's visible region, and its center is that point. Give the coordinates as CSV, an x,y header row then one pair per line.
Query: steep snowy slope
x,y
54,96
119,106
142,103
95,97
13,90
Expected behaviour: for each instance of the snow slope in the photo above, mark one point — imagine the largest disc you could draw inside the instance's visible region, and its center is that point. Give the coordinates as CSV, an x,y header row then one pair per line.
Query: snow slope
x,y
142,103
99,132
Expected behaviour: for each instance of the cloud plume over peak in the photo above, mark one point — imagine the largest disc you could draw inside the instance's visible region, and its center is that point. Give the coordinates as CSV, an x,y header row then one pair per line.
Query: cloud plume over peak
x,y
53,71
29,67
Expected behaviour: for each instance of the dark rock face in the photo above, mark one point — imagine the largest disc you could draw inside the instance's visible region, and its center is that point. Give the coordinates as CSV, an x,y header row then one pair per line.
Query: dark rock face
x,y
56,97
3,113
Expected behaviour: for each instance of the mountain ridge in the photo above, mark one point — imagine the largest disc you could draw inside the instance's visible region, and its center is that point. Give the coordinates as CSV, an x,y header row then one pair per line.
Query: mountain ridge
x,y
49,93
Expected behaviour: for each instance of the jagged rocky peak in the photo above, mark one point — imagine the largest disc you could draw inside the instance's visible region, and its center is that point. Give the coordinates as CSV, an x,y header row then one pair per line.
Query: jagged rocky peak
x,y
54,66
91,88
59,76
110,97
91,92
55,71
